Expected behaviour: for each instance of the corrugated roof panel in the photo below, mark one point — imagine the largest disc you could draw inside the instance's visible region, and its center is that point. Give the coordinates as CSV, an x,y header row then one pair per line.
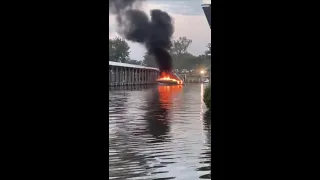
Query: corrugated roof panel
x,y
207,11
206,5
112,63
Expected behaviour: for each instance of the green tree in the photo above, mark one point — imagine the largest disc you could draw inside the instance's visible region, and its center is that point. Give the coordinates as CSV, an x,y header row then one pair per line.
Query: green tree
x,y
136,62
118,50
180,46
204,60
181,59
206,57
208,51
149,60
184,61
207,97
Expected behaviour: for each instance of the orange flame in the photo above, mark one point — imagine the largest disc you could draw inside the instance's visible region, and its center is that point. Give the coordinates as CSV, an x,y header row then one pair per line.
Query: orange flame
x,y
168,77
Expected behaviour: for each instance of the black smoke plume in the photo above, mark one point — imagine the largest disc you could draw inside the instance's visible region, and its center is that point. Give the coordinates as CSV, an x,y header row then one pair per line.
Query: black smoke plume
x,y
154,33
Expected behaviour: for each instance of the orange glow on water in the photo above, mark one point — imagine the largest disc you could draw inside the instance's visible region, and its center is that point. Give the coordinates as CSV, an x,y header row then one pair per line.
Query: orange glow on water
x,y
166,94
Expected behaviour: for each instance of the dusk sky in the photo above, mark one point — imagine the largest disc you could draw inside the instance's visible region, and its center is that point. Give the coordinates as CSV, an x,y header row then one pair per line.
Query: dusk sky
x,y
189,20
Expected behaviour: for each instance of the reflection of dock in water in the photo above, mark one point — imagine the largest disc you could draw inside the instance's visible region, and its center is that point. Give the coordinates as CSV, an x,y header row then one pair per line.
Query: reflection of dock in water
x,y
155,133
139,152
131,88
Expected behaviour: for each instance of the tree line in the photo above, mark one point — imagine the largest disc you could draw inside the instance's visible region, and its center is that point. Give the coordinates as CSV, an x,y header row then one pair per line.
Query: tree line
x,y
119,51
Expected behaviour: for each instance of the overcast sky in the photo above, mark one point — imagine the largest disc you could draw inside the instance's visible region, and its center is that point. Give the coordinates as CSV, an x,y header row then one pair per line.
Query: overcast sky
x,y
189,21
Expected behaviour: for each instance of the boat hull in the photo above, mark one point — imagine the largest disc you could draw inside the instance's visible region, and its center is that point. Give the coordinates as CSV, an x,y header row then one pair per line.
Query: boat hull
x,y
168,83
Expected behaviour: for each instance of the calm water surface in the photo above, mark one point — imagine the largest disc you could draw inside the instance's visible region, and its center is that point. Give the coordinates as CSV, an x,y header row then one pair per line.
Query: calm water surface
x,y
160,132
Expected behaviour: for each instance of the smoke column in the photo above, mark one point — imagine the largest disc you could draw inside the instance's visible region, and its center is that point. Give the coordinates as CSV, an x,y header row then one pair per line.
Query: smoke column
x,y
154,33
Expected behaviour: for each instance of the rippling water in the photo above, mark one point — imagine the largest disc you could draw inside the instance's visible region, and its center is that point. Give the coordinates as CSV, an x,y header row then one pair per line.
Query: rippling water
x,y
160,132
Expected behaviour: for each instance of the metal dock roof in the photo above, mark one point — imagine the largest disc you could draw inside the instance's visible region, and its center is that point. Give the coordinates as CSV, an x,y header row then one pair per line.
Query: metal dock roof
x,y
207,11
112,63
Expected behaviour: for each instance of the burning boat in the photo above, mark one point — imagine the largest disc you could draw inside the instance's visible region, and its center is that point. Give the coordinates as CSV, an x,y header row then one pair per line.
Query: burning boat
x,y
167,78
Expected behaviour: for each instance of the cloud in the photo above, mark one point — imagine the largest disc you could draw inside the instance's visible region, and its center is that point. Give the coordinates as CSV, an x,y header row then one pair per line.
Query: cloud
x,y
195,28
189,21
183,7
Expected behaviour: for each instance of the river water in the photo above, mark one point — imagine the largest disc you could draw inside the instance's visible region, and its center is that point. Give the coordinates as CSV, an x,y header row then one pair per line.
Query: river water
x,y
159,132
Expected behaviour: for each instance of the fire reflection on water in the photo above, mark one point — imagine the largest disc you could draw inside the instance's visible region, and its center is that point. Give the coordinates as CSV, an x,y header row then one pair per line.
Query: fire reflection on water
x,y
159,110
158,133
166,94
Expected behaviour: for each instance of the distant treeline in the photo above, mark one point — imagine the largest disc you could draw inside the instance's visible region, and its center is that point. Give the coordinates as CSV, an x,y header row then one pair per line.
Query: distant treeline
x,y
119,51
